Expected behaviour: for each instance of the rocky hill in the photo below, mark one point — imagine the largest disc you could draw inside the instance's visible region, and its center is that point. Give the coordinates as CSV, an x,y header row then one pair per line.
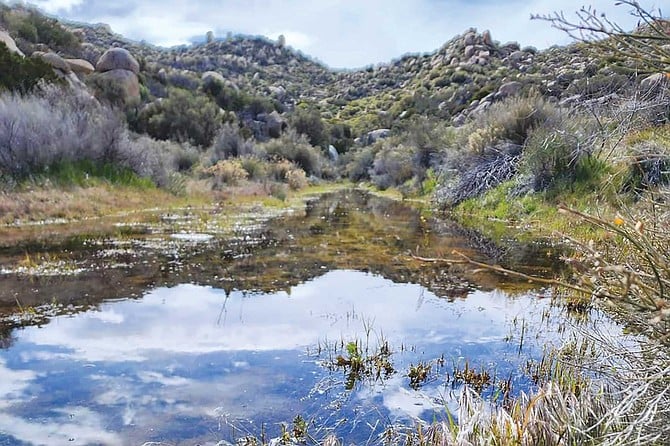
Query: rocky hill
x,y
461,79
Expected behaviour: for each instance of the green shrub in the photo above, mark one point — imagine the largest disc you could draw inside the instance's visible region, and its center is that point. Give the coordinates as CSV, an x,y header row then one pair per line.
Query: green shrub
x,y
647,165
22,74
392,166
256,167
308,122
184,117
512,120
295,148
358,163
35,27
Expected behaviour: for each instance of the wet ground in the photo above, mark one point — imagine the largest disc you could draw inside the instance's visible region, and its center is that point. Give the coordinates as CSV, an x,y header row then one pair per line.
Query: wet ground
x,y
200,327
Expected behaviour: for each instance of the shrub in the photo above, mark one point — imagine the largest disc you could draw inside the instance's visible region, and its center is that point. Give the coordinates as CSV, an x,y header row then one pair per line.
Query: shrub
x,y
558,150
35,27
54,127
392,166
22,74
512,120
228,172
256,167
308,122
183,117
647,165
296,178
295,148
229,143
358,163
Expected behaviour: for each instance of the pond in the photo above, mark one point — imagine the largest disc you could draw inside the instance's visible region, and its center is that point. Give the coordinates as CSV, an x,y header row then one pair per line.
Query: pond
x,y
172,330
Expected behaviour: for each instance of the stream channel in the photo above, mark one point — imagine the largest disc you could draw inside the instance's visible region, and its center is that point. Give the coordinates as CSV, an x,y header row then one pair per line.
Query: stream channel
x,y
182,328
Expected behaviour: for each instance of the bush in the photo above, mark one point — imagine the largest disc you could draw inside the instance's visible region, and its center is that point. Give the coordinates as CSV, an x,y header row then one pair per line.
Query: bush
x,y
228,172
358,163
296,178
557,152
647,165
183,117
256,167
55,127
35,27
392,166
308,122
511,120
229,143
22,74
295,148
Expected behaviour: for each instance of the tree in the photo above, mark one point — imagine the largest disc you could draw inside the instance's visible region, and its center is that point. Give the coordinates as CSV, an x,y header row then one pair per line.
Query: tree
x,y
643,49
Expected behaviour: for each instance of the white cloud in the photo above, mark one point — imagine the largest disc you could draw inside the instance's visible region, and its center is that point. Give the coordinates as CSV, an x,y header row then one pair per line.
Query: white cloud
x,y
342,33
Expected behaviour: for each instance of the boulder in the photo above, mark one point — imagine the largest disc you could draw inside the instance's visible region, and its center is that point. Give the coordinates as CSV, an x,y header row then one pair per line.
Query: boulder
x,y
80,66
272,124
7,40
375,135
127,81
117,59
469,51
212,76
509,89
54,60
469,38
73,81
332,153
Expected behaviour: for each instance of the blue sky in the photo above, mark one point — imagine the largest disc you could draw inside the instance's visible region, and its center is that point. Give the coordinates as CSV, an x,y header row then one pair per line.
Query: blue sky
x,y
340,33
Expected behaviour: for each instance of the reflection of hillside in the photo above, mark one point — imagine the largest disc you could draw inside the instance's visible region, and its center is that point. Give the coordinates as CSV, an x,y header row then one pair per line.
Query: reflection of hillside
x,y
352,230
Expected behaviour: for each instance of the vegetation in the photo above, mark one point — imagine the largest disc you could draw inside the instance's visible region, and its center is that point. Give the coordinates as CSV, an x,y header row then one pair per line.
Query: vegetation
x,y
576,143
20,74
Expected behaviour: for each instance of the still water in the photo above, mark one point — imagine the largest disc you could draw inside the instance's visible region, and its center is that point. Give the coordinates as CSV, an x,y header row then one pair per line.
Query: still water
x,y
207,338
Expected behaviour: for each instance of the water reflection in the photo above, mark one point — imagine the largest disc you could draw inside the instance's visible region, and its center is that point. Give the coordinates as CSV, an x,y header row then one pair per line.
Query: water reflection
x,y
188,362
181,333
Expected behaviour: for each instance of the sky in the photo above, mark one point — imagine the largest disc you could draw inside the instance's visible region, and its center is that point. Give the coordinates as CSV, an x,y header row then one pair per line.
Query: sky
x,y
339,33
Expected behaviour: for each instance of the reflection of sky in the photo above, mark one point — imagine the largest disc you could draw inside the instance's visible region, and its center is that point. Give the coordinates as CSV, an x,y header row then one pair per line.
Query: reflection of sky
x,y
174,363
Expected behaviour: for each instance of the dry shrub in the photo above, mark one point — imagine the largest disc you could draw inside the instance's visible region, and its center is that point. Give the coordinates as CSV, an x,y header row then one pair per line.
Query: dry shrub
x,y
296,178
229,172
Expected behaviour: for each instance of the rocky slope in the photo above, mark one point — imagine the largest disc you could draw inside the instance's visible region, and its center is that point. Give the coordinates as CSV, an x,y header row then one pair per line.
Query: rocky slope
x,y
460,79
